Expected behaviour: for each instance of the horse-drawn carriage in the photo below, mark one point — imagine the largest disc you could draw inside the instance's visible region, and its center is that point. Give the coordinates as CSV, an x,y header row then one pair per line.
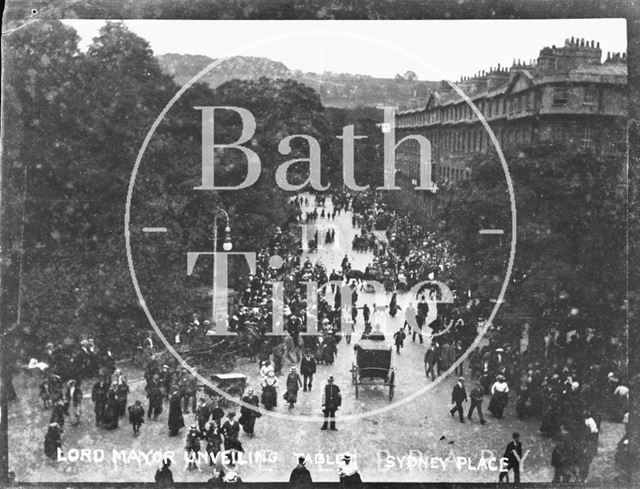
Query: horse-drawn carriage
x,y
217,355
373,365
233,384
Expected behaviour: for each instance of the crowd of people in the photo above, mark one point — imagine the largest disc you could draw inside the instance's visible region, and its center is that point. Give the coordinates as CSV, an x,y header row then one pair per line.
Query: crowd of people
x,y
570,383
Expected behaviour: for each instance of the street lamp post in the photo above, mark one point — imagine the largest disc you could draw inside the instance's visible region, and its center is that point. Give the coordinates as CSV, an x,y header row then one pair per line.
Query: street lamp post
x,y
227,245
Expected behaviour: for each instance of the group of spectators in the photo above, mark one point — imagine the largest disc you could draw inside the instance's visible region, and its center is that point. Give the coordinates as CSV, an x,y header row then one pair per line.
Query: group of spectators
x,y
570,382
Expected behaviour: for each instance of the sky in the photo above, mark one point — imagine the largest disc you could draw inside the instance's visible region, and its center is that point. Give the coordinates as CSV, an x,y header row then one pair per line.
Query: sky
x,y
433,49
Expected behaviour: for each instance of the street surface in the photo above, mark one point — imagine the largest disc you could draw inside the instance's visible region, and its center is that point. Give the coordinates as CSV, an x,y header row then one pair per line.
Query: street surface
x,y
447,449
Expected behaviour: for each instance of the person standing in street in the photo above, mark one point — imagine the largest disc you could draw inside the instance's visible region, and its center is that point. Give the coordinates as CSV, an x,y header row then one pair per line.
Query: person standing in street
x,y
53,441
247,415
431,360
176,420
307,369
348,472
231,430
458,396
164,476
192,448
409,317
293,386
57,415
331,401
73,399
300,477
393,305
203,413
136,416
99,398
290,347
477,394
156,396
269,391
499,396
513,455
399,339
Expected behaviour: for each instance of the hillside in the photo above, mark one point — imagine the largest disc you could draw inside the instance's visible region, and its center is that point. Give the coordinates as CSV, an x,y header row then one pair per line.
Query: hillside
x,y
336,89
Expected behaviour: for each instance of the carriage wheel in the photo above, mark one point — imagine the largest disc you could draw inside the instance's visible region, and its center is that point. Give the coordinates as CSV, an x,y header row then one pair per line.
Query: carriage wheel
x,y
228,363
392,385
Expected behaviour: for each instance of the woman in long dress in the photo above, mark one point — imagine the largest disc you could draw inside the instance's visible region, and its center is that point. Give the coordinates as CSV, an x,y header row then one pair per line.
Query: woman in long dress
x,y
110,419
269,393
176,420
500,397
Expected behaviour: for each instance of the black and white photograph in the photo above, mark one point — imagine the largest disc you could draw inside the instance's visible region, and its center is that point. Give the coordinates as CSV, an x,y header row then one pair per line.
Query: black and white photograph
x,y
326,249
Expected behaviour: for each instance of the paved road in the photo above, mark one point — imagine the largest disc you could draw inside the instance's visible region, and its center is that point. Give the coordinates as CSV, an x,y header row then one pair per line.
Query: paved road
x,y
380,442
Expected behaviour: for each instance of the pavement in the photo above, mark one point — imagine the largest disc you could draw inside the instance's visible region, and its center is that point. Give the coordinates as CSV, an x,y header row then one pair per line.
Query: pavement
x,y
413,439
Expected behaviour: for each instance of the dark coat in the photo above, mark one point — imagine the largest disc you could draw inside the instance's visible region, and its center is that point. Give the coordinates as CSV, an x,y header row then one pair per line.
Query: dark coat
x,y
99,395
164,476
52,442
57,415
77,396
399,337
331,397
176,421
308,366
477,393
136,414
248,416
300,478
512,446
431,356
231,430
110,418
458,394
203,413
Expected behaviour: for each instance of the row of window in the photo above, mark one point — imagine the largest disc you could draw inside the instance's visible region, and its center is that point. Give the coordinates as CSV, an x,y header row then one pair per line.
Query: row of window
x,y
561,96
439,173
477,140
489,108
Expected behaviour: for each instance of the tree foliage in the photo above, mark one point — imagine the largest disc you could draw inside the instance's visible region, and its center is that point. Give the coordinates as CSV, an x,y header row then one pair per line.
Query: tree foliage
x,y
76,121
571,231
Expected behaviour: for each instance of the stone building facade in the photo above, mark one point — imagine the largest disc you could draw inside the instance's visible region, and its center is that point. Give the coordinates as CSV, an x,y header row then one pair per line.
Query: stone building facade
x,y
568,94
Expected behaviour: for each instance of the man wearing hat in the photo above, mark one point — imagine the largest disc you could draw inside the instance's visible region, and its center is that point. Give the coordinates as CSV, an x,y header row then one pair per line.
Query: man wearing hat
x,y
477,394
331,401
307,369
155,396
512,456
348,472
300,477
230,430
458,396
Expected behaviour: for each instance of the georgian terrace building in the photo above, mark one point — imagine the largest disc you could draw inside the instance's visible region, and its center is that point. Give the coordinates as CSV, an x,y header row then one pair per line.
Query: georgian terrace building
x,y
567,94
